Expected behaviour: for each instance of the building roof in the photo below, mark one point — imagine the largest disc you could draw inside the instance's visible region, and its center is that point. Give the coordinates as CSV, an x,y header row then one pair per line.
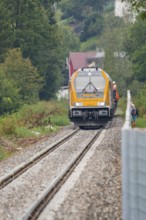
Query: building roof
x,y
81,59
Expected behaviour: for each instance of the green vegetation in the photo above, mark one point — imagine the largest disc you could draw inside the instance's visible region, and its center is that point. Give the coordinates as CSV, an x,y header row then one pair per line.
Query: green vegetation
x,y
90,44
122,104
3,153
32,121
139,6
141,122
35,116
135,49
19,80
86,17
30,27
37,36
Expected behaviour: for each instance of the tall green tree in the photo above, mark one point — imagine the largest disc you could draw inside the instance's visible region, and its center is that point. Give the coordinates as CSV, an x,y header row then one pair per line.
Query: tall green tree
x,y
115,61
135,46
93,26
6,34
70,42
36,33
87,15
24,76
9,94
80,8
139,6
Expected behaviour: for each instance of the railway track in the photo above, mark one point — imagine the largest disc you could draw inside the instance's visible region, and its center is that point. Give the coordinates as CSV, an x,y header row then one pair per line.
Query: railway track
x,y
34,211
5,180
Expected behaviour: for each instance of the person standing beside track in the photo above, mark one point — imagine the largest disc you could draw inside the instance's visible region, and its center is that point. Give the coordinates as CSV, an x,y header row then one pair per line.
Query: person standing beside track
x,y
134,114
116,96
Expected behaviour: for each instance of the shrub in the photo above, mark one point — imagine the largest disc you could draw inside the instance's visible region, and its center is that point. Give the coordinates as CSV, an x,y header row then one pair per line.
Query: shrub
x,y
22,132
9,95
8,125
59,120
141,122
34,119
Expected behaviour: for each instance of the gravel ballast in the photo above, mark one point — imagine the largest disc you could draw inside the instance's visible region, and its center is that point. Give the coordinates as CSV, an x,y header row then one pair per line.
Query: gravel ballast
x,y
26,189
94,190
25,154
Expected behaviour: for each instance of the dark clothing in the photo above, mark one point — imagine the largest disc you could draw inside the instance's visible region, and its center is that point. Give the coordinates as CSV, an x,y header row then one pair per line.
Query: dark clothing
x,y
134,113
114,94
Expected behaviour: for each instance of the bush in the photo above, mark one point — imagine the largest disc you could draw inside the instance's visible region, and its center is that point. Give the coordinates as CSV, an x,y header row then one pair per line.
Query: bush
x,y
24,75
141,122
140,101
35,120
22,132
9,95
59,120
8,125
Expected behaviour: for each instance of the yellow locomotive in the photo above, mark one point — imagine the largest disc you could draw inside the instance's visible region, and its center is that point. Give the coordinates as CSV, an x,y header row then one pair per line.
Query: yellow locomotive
x,y
90,97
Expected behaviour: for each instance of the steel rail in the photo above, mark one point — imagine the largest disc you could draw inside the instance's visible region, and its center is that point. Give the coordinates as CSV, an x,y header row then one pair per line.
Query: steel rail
x,y
5,180
34,211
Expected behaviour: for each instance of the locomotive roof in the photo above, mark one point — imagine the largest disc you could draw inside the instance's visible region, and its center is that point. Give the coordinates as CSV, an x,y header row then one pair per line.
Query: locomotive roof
x,y
92,68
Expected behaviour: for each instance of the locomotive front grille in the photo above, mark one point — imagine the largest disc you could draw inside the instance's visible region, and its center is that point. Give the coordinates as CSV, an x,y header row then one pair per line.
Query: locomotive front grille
x,y
89,113
77,113
103,112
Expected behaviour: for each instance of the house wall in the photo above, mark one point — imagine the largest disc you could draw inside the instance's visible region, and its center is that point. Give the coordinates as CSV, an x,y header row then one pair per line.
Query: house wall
x,y
71,69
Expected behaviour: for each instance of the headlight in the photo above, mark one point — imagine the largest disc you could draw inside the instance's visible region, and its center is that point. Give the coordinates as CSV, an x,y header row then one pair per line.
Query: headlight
x,y
101,104
78,104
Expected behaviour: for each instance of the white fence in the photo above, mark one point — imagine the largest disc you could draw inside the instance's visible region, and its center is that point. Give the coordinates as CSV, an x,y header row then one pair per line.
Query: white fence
x,y
133,169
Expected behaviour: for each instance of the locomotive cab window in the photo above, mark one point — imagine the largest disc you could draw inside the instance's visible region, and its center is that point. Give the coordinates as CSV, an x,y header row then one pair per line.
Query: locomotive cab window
x,y
89,84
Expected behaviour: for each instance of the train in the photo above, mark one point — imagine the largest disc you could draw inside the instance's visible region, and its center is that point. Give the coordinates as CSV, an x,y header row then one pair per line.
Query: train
x,y
91,102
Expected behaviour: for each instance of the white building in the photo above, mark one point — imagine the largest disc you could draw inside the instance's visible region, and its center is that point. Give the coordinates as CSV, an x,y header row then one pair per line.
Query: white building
x,y
123,9
63,93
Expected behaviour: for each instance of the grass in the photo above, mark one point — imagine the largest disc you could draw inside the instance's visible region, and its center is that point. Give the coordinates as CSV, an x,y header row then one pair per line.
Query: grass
x,y
33,121
141,122
32,116
122,107
90,44
60,120
3,153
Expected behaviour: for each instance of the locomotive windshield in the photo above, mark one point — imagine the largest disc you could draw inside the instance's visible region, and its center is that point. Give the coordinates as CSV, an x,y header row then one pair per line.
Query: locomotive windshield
x,y
89,82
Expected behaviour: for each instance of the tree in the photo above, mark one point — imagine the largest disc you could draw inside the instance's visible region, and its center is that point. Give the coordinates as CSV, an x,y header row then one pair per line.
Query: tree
x,y
79,9
36,34
116,63
9,94
134,45
24,76
69,42
93,25
139,6
6,35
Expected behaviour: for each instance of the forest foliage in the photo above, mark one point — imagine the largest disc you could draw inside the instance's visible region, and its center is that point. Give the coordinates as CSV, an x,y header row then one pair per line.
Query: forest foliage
x,y
32,52
139,6
37,36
